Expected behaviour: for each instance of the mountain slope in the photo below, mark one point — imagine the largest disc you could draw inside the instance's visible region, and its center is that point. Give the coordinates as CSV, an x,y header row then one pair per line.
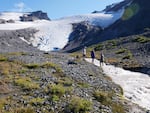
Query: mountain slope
x,y
134,20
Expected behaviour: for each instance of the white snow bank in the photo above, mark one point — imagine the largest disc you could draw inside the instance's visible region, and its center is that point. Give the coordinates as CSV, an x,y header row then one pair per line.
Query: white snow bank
x,y
98,19
16,25
11,15
136,85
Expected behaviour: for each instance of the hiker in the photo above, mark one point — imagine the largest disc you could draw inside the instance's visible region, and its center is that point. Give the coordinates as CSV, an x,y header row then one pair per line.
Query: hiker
x,y
84,52
92,55
101,59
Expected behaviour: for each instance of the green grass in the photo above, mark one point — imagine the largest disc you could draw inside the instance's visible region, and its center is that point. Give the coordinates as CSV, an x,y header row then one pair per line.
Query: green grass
x,y
98,47
3,101
120,51
58,90
36,101
3,58
32,66
55,98
128,55
79,105
24,110
142,39
83,85
26,83
52,65
65,81
106,98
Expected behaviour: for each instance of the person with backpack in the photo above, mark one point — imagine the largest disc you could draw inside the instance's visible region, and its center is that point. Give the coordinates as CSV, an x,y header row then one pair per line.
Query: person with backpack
x,y
101,58
92,55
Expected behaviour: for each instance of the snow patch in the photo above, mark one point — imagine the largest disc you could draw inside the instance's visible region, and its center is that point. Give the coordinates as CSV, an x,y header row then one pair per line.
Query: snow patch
x,y
136,85
23,39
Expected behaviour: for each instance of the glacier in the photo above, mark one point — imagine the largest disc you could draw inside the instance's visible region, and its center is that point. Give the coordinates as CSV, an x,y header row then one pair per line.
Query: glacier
x,y
55,33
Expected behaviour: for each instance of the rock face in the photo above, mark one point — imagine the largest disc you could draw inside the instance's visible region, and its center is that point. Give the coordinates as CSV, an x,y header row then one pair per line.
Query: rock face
x,y
2,21
83,34
34,16
116,7
134,20
11,41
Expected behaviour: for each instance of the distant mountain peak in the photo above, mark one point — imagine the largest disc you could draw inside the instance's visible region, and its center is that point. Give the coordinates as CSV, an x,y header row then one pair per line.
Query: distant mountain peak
x,y
115,6
34,16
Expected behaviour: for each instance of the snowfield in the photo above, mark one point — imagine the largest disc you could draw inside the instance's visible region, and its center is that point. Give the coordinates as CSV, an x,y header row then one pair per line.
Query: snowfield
x,y
136,85
55,34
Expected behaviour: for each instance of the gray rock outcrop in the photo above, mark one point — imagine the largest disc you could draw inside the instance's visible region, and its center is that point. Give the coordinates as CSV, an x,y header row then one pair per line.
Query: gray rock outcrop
x,y
34,16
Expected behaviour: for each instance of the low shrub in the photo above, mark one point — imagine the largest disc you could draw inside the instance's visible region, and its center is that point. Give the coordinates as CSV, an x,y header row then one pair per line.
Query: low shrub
x,y
65,81
106,98
36,101
120,51
99,47
128,56
3,58
3,101
142,39
24,110
55,98
26,83
32,66
57,90
83,84
52,65
79,105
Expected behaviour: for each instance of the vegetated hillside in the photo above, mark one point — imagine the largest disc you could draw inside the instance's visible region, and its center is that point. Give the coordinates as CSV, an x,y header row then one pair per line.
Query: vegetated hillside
x,y
41,82
131,52
134,20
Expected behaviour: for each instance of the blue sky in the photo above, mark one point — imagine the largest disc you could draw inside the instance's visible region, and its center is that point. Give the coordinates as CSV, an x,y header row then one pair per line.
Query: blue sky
x,y
56,8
